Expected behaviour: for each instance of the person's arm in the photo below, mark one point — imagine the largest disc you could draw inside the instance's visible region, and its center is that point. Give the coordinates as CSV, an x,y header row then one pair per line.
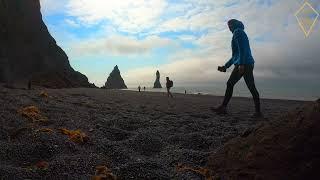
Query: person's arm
x,y
231,60
239,40
229,63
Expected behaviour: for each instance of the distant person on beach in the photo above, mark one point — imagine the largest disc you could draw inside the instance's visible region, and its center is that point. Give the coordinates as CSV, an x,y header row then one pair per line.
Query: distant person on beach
x,y
139,88
144,88
243,67
169,85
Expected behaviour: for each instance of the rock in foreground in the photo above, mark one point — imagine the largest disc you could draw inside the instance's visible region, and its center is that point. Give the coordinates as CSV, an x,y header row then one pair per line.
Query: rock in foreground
x,y
287,148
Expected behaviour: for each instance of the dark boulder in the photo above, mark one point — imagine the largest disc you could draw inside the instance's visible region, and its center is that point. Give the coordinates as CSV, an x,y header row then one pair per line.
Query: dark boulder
x,y
284,148
29,52
115,80
157,83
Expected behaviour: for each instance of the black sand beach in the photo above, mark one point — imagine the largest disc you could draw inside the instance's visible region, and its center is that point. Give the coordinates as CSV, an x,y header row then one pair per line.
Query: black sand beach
x,y
136,135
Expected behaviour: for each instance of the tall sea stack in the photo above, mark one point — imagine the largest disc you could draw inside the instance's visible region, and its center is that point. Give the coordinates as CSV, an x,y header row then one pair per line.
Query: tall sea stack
x,y
115,80
29,53
157,83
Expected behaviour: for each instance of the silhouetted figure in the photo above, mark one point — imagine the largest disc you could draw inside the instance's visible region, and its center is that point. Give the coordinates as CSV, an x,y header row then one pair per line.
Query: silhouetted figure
x,y
243,67
185,91
139,88
29,85
144,88
169,85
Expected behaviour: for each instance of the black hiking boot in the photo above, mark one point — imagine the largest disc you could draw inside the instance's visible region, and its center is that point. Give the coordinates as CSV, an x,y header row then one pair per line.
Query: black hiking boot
x,y
221,110
257,115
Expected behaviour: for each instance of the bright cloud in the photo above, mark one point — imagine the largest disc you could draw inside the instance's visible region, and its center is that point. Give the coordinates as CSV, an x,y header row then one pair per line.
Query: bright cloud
x,y
72,23
120,45
126,15
52,6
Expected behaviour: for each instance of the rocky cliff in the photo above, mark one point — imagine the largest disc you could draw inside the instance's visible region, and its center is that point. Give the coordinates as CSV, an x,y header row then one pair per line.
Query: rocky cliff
x,y
29,52
115,80
157,83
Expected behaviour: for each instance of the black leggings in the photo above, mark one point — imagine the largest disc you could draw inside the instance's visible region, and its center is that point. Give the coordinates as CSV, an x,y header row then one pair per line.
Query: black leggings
x,y
249,79
169,93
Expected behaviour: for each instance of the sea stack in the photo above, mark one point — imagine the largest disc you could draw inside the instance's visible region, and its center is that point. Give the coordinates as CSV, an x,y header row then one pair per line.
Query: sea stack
x,y
29,53
157,83
115,80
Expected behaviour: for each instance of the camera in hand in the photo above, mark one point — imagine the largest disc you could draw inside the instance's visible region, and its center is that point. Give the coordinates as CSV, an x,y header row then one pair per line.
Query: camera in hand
x,y
222,69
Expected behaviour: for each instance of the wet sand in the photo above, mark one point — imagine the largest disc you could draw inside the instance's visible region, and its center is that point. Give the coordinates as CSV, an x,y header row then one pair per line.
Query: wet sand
x,y
137,135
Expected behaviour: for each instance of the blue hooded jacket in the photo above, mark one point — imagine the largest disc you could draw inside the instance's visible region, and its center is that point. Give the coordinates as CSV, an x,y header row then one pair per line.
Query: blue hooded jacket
x,y
241,52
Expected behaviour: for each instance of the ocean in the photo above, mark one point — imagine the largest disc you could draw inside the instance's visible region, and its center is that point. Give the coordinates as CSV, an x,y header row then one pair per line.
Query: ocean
x,y
241,90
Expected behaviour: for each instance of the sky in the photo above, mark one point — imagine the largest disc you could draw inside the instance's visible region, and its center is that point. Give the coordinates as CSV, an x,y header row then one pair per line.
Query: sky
x,y
184,39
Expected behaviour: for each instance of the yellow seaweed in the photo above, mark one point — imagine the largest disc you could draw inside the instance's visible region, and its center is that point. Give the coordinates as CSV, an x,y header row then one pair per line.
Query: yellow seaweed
x,y
201,171
75,135
32,113
44,94
103,173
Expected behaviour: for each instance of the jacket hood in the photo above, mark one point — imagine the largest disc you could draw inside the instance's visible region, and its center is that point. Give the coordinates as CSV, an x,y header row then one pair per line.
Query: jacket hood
x,y
235,24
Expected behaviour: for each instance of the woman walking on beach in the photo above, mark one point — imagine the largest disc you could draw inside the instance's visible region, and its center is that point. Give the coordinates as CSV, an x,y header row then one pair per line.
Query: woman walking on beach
x,y
169,85
243,66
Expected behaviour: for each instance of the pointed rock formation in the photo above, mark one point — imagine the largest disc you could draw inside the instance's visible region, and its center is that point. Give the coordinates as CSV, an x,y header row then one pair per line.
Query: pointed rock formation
x,y
115,80
29,52
157,83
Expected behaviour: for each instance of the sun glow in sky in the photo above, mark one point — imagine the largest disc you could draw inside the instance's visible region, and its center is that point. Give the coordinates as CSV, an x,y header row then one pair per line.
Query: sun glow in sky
x,y
184,39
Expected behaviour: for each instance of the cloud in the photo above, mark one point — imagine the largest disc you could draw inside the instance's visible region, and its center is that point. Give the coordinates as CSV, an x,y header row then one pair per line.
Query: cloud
x,y
126,15
118,45
72,23
49,7
198,19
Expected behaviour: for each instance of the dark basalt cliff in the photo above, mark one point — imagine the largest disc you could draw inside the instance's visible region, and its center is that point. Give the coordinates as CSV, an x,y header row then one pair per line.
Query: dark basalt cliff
x,y
29,52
